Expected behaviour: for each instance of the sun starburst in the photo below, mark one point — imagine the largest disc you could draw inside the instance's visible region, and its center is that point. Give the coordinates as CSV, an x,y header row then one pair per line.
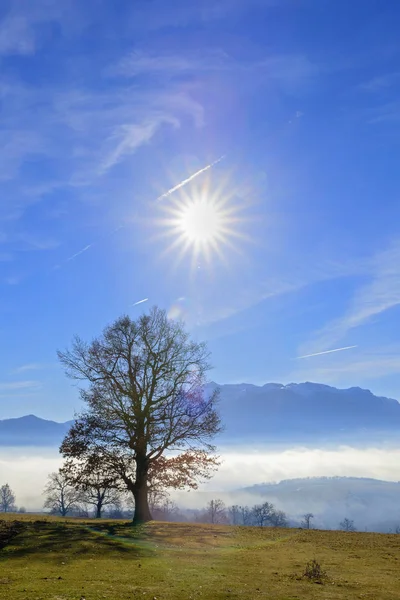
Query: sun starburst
x,y
201,224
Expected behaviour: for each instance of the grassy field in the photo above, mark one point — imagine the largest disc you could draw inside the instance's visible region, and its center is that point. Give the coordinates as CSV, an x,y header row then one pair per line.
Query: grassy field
x,y
84,560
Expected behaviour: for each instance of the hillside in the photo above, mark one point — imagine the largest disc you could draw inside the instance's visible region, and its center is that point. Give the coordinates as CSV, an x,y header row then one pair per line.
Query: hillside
x,y
373,504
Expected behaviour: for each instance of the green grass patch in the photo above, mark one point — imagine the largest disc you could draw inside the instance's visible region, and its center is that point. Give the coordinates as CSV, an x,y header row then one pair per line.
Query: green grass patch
x,y
62,559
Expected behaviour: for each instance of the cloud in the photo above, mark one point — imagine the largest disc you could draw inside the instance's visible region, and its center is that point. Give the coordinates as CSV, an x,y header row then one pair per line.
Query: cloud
x,y
82,133
106,128
16,146
24,23
19,385
127,138
288,278
21,23
179,13
30,367
388,112
26,469
140,62
31,241
288,71
381,82
379,294
13,279
367,364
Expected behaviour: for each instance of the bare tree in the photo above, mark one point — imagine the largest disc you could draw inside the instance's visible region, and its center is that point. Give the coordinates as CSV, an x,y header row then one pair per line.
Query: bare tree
x,y
167,510
347,525
144,395
262,513
61,497
115,511
98,488
215,511
278,519
306,522
246,514
234,513
7,499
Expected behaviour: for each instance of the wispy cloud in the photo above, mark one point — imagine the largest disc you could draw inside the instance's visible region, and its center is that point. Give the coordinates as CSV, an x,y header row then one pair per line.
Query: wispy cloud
x,y
19,385
381,82
290,277
388,112
379,294
327,352
285,70
367,365
33,241
30,367
158,15
167,65
24,22
129,137
13,279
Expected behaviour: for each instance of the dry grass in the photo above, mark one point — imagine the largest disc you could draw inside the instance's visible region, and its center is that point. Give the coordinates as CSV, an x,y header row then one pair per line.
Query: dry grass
x,y
60,559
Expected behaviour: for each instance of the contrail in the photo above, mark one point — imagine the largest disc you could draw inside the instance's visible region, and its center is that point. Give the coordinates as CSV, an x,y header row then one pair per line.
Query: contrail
x,y
327,352
79,253
165,195
140,302
185,181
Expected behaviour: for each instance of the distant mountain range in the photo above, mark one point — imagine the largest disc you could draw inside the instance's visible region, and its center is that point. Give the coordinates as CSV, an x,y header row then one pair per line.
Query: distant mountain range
x,y
301,412
32,431
304,412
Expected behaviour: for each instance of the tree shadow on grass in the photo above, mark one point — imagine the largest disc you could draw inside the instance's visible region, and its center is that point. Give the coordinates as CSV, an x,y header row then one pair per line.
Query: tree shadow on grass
x,y
55,541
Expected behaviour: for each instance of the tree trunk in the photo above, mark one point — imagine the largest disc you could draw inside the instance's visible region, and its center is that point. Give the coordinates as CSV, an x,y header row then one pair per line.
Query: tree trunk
x,y
99,504
140,493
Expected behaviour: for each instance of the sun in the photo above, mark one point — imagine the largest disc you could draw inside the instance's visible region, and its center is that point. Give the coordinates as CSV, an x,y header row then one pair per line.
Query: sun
x,y
201,224
201,221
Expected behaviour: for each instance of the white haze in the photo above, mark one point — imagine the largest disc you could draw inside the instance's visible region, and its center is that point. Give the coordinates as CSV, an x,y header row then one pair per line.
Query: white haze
x,y
26,470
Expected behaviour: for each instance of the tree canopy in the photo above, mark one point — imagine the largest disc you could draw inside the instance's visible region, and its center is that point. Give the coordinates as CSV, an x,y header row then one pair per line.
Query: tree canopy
x,y
147,418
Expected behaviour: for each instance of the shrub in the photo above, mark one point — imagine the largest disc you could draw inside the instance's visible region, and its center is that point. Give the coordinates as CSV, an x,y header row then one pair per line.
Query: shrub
x,y
314,572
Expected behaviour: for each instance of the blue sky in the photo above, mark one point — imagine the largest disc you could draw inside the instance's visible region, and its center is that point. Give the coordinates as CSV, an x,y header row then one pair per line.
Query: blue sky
x,y
105,106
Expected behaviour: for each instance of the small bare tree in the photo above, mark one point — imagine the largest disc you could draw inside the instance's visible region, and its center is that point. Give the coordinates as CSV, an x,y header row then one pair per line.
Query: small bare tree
x,y
215,511
98,488
61,497
144,395
167,510
347,525
246,514
278,519
306,522
234,513
262,513
7,499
